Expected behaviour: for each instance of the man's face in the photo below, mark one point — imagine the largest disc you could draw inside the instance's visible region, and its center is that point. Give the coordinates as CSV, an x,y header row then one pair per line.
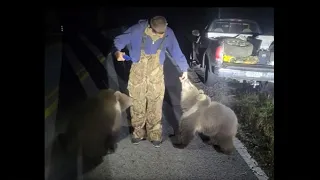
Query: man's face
x,y
155,32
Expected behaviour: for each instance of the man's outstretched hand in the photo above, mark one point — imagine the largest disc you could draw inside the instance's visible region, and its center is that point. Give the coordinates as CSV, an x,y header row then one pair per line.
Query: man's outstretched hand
x,y
183,76
119,55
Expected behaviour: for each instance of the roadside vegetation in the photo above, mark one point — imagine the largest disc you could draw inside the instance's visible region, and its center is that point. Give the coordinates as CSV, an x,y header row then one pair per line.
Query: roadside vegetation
x,y
255,111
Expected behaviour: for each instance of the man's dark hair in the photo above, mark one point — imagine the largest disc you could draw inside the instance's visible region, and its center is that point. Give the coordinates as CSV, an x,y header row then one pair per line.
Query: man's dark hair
x,y
158,23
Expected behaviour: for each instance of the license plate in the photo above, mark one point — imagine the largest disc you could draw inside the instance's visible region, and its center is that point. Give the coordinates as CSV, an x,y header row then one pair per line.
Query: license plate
x,y
253,74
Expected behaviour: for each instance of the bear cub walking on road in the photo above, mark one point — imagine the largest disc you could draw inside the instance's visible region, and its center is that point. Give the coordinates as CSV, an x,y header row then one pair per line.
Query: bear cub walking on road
x,y
95,124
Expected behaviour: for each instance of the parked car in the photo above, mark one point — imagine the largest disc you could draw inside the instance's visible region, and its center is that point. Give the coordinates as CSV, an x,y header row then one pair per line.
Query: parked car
x,y
234,49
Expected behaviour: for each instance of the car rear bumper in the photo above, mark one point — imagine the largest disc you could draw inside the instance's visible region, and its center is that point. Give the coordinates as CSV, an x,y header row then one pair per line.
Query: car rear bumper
x,y
243,72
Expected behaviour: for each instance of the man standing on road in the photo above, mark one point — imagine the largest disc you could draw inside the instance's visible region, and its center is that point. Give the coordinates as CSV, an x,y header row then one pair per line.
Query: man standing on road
x,y
148,42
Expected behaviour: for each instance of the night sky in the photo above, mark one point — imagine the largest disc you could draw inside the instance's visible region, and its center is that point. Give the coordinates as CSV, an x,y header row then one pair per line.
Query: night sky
x,y
186,17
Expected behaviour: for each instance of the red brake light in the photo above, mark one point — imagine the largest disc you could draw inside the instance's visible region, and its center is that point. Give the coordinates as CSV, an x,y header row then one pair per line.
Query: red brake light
x,y
219,52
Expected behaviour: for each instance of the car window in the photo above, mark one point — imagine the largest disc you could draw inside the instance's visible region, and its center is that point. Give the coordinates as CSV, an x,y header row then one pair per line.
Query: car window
x,y
233,27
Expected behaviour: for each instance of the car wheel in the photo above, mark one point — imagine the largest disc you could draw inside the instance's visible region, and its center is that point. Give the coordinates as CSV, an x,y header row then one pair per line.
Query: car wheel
x,y
191,61
205,68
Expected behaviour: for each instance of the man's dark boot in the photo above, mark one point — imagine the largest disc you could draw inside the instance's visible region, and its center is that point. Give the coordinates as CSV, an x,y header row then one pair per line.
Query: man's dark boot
x,y
136,140
156,143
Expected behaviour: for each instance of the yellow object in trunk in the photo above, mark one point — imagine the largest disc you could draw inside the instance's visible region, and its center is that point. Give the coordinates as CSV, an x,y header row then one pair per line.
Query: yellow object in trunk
x,y
227,58
243,60
251,60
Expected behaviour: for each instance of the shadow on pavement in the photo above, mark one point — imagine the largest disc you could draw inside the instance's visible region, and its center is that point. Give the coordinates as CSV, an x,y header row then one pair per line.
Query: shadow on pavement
x,y
69,84
171,105
89,61
64,166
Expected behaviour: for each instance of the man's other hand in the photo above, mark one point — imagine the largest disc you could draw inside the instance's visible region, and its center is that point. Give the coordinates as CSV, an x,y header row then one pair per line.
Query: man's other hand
x,y
119,56
184,76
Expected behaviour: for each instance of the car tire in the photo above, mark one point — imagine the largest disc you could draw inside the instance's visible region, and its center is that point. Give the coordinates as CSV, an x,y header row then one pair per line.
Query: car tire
x,y
271,48
237,47
205,68
201,70
206,71
191,61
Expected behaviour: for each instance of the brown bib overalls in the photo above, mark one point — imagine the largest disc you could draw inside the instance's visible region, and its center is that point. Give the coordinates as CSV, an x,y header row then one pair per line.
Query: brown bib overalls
x,y
146,87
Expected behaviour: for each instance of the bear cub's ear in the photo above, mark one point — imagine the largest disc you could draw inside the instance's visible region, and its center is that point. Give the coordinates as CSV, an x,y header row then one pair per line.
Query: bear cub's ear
x,y
124,100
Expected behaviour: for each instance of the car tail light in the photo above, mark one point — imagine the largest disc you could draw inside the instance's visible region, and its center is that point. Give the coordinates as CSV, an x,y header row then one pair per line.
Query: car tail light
x,y
219,54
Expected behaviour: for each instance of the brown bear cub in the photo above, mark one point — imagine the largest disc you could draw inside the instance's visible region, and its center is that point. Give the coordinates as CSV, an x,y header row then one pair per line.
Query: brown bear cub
x,y
95,124
210,119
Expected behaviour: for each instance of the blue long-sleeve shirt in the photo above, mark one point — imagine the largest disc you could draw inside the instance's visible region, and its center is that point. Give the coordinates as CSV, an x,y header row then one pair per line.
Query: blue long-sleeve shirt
x,y
133,37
